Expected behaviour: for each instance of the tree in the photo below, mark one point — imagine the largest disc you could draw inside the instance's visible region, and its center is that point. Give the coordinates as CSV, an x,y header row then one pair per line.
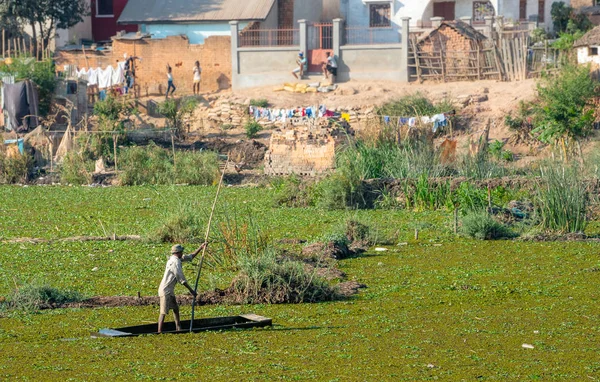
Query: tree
x,y
564,113
45,16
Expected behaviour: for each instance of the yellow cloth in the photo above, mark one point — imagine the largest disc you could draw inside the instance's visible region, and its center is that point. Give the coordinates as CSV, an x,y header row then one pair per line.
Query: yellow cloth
x,y
346,117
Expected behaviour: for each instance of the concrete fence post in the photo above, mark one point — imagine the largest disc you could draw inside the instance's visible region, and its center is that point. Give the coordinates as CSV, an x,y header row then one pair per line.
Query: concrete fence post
x,y
303,37
436,22
235,66
489,27
338,38
404,72
499,22
467,20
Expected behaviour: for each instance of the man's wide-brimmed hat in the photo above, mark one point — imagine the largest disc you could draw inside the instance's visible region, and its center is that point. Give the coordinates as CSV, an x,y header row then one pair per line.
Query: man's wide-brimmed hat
x,y
177,248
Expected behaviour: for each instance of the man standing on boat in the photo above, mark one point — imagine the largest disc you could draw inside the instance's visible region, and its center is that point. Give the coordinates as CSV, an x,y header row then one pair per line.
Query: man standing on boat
x,y
173,275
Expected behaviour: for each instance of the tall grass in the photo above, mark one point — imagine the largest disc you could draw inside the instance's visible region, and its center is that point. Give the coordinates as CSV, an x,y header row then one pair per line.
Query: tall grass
x,y
15,168
155,165
480,225
562,200
184,225
33,296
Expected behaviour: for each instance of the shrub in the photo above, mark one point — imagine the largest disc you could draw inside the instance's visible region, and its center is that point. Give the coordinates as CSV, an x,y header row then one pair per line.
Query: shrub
x,y
15,168
260,102
562,200
197,168
177,111
32,297
480,225
356,231
252,129
268,279
154,165
291,191
415,105
75,170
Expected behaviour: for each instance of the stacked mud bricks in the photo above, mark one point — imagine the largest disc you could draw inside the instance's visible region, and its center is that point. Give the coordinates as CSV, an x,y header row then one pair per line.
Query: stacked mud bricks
x,y
151,76
300,152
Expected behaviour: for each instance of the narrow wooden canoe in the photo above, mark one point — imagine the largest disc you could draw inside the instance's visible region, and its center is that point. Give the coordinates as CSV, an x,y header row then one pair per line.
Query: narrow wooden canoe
x,y
218,323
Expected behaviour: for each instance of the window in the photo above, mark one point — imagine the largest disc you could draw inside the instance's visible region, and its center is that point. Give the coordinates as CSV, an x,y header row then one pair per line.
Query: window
x,y
481,9
541,10
523,10
593,51
104,8
380,15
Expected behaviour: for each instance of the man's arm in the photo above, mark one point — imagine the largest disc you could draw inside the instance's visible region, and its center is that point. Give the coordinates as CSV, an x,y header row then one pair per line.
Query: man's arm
x,y
196,252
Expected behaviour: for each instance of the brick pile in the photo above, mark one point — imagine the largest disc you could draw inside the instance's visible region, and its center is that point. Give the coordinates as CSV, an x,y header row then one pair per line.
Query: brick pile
x,y
301,151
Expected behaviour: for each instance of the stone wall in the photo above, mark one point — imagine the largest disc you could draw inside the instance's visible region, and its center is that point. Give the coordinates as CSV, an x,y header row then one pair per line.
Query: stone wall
x,y
214,56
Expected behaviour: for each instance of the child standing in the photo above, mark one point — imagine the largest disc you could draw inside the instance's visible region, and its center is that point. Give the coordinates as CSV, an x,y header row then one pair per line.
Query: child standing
x,y
170,81
197,71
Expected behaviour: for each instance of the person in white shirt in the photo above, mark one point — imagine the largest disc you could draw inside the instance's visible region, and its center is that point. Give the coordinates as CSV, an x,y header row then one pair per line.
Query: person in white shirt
x,y
173,275
330,67
197,71
170,81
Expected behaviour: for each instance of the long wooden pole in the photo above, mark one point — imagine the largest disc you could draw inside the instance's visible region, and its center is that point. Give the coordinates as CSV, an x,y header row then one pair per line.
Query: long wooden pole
x,y
212,212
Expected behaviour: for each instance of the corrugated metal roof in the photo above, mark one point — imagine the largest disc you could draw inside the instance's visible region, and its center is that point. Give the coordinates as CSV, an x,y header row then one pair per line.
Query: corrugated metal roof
x,y
182,11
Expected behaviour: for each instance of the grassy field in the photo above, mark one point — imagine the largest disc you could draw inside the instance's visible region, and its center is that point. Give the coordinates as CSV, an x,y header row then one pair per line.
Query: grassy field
x,y
437,308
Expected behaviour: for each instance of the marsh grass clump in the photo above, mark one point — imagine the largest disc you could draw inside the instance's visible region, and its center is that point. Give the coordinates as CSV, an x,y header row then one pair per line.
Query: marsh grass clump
x,y
155,165
183,226
416,104
480,225
562,200
292,191
32,297
271,279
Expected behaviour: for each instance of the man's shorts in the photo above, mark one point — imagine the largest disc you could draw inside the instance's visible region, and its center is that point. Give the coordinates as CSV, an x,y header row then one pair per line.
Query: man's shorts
x,y
196,81
332,70
167,303
297,70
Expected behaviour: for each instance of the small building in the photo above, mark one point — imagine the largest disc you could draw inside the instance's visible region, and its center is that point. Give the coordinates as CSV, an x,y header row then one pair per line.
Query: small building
x,y
453,50
588,48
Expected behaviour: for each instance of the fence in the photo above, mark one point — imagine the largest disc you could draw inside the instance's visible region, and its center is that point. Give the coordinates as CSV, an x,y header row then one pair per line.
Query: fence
x,y
369,36
269,37
22,46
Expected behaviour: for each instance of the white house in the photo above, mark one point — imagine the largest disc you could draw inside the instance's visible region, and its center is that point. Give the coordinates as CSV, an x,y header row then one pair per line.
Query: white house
x,y
381,13
588,47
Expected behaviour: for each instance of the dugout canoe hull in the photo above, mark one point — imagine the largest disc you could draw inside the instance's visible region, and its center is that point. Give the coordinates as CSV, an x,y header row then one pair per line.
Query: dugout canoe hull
x,y
202,324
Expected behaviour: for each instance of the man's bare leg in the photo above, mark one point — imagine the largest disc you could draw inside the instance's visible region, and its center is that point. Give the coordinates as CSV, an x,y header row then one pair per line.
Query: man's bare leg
x,y
161,321
177,321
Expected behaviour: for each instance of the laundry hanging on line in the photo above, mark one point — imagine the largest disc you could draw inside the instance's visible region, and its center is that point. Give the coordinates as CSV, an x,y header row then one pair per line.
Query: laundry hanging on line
x,y
104,78
282,115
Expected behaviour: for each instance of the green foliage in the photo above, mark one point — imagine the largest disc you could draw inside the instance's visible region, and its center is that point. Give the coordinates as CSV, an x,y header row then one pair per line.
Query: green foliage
x,y
497,151
469,198
15,168
42,73
480,225
357,231
31,297
154,165
539,35
266,278
292,191
177,112
75,169
112,114
562,200
252,129
185,225
563,110
567,20
426,195
415,104
260,102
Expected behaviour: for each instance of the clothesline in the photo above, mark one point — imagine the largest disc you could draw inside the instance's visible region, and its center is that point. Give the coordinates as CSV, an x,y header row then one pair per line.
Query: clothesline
x,y
104,78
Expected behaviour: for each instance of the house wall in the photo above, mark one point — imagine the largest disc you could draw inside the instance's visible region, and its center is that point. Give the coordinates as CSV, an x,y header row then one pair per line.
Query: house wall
x,y
214,56
371,62
583,56
196,33
103,28
75,34
264,66
272,20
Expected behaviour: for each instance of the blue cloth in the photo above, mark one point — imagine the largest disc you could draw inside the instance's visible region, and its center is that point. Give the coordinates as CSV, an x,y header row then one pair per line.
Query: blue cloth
x,y
102,95
387,120
20,143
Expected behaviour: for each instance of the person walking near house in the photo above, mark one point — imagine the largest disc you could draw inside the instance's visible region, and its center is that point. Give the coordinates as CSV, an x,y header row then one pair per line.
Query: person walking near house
x,y
170,81
330,67
302,66
197,71
173,275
